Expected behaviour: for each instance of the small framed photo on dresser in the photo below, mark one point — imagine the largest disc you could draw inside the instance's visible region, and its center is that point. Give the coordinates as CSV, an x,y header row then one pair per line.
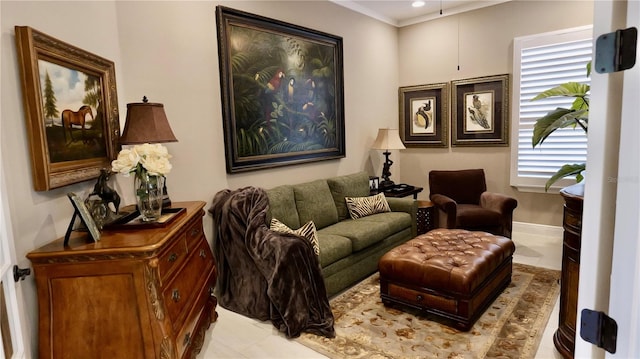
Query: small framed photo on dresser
x,y
374,183
81,210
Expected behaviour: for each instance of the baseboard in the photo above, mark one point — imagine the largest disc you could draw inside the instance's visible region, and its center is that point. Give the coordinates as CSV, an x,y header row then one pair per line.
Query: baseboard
x,y
538,229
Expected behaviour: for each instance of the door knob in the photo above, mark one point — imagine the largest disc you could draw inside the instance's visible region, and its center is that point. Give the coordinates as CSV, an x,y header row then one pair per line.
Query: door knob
x,y
20,273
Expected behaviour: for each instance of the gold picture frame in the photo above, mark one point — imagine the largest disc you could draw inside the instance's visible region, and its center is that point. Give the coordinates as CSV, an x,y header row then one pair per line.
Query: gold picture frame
x,y
424,115
480,111
71,109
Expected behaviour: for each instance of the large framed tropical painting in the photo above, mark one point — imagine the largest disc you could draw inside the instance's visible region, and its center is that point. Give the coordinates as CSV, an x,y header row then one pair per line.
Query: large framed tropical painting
x,y
282,92
71,109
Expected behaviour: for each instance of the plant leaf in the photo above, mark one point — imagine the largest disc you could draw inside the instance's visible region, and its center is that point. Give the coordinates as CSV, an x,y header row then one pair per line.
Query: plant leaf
x,y
558,118
565,171
569,89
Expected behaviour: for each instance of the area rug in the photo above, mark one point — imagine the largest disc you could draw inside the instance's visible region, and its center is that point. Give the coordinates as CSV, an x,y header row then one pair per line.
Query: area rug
x,y
511,327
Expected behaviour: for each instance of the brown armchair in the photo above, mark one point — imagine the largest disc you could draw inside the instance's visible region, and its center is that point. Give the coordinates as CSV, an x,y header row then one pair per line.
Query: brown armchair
x,y
462,201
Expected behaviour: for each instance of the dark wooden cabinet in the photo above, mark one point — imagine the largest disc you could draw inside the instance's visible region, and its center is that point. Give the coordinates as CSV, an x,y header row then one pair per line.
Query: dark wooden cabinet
x,y
565,335
139,293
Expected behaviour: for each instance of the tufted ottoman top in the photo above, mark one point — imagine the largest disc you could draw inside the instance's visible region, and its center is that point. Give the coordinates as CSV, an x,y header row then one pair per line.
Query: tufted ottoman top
x,y
453,261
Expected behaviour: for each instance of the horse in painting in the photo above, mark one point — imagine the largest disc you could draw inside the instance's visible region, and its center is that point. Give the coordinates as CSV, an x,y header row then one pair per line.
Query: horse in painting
x,y
78,118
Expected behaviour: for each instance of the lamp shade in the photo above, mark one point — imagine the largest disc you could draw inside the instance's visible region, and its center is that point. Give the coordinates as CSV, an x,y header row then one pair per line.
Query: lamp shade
x,y
146,123
388,139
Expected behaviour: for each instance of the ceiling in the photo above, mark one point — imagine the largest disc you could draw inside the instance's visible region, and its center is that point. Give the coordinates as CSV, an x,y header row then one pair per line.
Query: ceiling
x,y
400,13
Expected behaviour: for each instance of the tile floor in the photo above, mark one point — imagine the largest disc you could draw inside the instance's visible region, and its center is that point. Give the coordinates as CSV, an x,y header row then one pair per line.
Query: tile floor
x,y
235,336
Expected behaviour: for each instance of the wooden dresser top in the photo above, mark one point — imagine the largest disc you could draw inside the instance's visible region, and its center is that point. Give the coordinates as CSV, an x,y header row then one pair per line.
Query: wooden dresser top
x,y
115,242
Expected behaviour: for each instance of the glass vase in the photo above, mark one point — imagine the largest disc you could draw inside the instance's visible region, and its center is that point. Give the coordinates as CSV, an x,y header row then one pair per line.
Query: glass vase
x,y
148,191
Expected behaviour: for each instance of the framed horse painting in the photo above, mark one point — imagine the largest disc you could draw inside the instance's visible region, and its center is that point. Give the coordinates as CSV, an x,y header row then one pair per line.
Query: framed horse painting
x,y
71,109
282,92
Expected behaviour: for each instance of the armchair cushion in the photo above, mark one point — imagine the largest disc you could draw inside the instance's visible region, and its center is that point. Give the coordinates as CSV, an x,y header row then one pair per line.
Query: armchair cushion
x,y
472,216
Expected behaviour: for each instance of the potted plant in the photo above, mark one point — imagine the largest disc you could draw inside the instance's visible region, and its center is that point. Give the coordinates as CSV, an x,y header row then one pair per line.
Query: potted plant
x,y
576,116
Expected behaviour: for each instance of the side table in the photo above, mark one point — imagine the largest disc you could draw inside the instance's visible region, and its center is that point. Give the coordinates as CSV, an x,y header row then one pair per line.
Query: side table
x,y
398,191
425,217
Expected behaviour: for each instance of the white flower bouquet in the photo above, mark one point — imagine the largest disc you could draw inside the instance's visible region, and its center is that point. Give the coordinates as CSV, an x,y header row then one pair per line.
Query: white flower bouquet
x,y
151,158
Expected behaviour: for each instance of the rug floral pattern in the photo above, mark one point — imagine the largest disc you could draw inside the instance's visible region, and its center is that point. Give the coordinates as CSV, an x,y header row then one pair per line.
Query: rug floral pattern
x,y
510,328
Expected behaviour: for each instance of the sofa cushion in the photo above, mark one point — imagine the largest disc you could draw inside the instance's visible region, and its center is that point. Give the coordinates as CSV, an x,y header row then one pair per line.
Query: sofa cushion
x,y
353,185
333,247
315,203
361,233
365,206
307,231
395,221
282,205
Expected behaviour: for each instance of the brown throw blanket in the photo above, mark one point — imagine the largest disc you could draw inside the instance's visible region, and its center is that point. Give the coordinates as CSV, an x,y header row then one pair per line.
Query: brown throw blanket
x,y
263,274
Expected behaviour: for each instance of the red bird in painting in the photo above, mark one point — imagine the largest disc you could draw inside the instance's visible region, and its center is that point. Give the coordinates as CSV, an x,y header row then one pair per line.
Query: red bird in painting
x,y
274,84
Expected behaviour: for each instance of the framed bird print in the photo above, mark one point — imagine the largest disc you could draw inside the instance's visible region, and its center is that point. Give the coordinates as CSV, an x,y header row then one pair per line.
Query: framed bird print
x,y
424,115
480,108
282,92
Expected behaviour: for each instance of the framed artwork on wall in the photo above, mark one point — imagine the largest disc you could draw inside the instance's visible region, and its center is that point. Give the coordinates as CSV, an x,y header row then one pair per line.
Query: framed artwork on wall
x,y
480,111
424,115
282,92
71,109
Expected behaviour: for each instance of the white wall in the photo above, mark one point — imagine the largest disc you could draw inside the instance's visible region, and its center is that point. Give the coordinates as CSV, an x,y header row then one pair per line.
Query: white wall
x,y
167,51
481,43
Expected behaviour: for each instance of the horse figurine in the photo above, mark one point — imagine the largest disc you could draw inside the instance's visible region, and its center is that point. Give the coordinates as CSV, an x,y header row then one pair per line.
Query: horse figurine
x,y
70,118
106,193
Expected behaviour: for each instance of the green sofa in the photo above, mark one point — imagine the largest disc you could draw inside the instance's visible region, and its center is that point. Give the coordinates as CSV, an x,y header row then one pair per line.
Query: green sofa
x,y
349,249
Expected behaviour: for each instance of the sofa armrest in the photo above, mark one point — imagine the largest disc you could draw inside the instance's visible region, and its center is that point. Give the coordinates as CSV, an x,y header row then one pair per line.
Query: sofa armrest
x,y
498,202
407,205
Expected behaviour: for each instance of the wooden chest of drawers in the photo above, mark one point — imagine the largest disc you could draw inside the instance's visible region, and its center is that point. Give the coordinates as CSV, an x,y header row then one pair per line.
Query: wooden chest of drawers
x,y
564,338
142,293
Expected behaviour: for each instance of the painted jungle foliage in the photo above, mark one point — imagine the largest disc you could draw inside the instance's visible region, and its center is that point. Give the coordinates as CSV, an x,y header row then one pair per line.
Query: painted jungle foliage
x,y
284,93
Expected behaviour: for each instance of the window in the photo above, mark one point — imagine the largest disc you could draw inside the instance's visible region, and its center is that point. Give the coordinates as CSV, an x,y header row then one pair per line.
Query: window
x,y
541,62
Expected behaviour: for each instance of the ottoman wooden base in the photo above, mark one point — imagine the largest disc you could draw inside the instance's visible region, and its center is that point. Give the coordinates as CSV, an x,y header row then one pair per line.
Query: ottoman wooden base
x,y
452,274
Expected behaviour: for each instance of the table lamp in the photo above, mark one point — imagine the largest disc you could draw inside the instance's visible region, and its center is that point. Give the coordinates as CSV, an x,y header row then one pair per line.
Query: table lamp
x,y
388,139
147,123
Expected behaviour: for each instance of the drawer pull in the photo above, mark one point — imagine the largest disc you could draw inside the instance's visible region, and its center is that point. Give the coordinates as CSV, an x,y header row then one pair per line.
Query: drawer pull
x,y
187,339
419,298
203,253
195,232
175,295
173,257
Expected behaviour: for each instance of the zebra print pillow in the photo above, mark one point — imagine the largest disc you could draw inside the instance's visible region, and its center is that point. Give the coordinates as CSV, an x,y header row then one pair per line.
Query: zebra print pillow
x,y
365,206
308,231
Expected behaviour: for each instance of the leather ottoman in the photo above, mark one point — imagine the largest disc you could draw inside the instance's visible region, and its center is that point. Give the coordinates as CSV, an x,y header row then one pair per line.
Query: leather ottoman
x,y
453,274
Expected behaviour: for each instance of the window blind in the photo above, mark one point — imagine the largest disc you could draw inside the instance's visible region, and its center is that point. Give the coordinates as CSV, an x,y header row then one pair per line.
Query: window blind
x,y
546,61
